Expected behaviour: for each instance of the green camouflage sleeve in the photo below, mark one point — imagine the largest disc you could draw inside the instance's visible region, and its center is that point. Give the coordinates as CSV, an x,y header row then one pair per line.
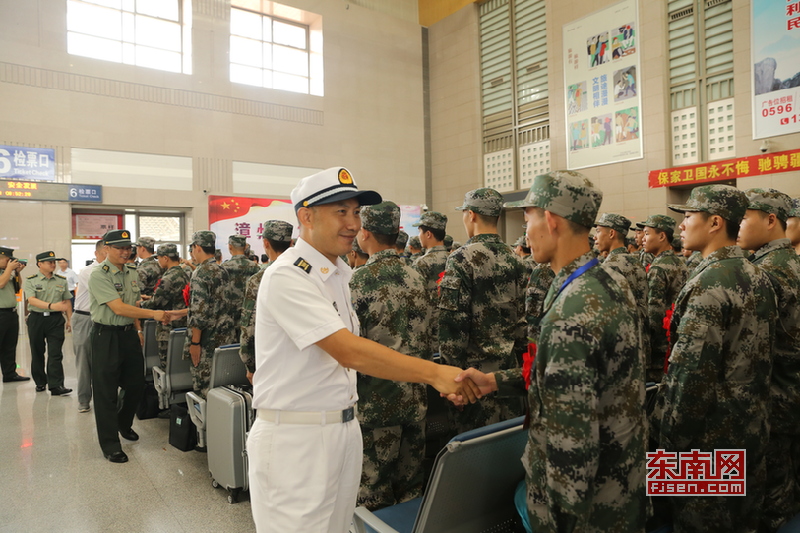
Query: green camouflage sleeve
x,y
247,348
201,307
510,382
454,309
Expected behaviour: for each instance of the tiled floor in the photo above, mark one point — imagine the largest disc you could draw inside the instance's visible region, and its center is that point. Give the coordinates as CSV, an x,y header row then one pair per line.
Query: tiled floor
x,y
54,476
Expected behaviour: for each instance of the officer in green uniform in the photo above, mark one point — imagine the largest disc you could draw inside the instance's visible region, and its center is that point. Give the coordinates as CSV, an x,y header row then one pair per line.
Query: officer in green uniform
x,y
9,322
117,360
48,296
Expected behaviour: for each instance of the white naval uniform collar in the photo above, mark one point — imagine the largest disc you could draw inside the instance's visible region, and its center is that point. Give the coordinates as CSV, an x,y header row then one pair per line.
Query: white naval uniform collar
x,y
321,265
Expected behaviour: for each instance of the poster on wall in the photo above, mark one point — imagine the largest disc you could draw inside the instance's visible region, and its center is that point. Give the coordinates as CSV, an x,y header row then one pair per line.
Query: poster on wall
x,y
775,34
94,226
603,90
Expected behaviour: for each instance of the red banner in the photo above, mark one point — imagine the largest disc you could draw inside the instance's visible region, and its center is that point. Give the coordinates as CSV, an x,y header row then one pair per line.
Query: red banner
x,y
226,207
728,169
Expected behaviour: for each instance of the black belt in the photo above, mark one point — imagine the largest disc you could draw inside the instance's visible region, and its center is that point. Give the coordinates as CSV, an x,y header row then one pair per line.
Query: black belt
x,y
8,310
87,313
114,328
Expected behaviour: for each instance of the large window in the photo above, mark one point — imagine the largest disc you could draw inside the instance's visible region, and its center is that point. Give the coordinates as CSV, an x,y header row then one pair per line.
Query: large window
x,y
147,33
274,52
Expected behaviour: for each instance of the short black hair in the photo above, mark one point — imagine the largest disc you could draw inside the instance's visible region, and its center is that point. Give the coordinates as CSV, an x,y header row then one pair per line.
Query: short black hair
x,y
387,240
265,257
438,234
486,219
278,246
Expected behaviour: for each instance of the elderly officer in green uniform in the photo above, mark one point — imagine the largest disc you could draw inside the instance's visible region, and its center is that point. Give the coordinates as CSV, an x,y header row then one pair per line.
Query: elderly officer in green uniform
x,y
763,229
585,459
149,269
277,238
168,295
10,268
239,269
715,395
48,297
482,307
666,275
394,309
117,360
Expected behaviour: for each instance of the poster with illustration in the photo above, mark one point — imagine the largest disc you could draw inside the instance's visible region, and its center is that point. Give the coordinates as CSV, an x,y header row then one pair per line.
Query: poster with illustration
x,y
775,35
603,94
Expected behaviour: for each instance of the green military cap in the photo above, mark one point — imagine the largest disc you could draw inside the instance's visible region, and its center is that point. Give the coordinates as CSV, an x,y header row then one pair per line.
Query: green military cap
x,y
616,222
382,218
484,201
147,242
402,239
639,226
277,230
522,241
455,246
432,219
204,239
118,238
8,252
795,211
169,250
677,243
239,241
728,202
414,242
46,256
357,248
448,241
770,201
566,193
662,222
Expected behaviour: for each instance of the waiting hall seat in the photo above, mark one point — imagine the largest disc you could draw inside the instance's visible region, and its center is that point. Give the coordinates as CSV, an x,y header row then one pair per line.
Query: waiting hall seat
x,y
151,357
173,382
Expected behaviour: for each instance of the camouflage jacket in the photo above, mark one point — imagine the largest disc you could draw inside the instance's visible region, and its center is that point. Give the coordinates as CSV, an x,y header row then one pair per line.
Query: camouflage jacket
x,y
782,265
665,279
693,261
538,284
632,270
585,459
394,309
239,269
431,265
168,295
247,324
645,258
716,391
209,310
482,306
149,273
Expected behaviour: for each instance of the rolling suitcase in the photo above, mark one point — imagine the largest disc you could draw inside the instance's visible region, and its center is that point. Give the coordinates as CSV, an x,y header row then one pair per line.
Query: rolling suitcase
x,y
229,415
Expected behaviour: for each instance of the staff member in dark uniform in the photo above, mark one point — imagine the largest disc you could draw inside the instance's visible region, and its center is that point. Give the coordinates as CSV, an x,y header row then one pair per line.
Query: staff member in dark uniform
x,y
117,360
9,322
48,298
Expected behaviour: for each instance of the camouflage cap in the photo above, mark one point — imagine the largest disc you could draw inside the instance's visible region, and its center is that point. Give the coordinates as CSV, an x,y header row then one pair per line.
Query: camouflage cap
x,y
414,242
117,237
46,256
147,242
770,201
432,219
566,193
728,202
277,230
239,241
357,248
677,243
484,201
402,239
382,218
448,241
169,250
204,239
662,222
795,211
455,246
616,222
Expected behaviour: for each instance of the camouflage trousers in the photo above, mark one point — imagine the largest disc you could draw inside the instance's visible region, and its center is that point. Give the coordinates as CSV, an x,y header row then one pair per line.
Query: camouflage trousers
x,y
725,514
392,470
782,497
201,374
489,410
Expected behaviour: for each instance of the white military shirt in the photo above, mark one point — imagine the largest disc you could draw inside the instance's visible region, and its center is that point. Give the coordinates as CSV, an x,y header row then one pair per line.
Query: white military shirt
x,y
303,298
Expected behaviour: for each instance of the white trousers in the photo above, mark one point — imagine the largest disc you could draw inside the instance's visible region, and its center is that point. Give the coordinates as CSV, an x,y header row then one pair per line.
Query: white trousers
x,y
304,478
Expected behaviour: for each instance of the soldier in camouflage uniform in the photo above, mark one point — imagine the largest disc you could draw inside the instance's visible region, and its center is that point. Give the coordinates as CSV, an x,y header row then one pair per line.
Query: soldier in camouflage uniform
x,y
239,269
415,249
585,458
715,394
665,278
692,260
168,295
610,238
356,258
148,269
523,251
393,308
482,307
210,320
538,284
400,246
277,238
448,243
644,257
431,265
763,230
793,225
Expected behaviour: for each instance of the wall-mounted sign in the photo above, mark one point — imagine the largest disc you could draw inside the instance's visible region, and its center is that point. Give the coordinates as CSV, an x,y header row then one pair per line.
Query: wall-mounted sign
x,y
50,192
94,226
728,169
36,164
